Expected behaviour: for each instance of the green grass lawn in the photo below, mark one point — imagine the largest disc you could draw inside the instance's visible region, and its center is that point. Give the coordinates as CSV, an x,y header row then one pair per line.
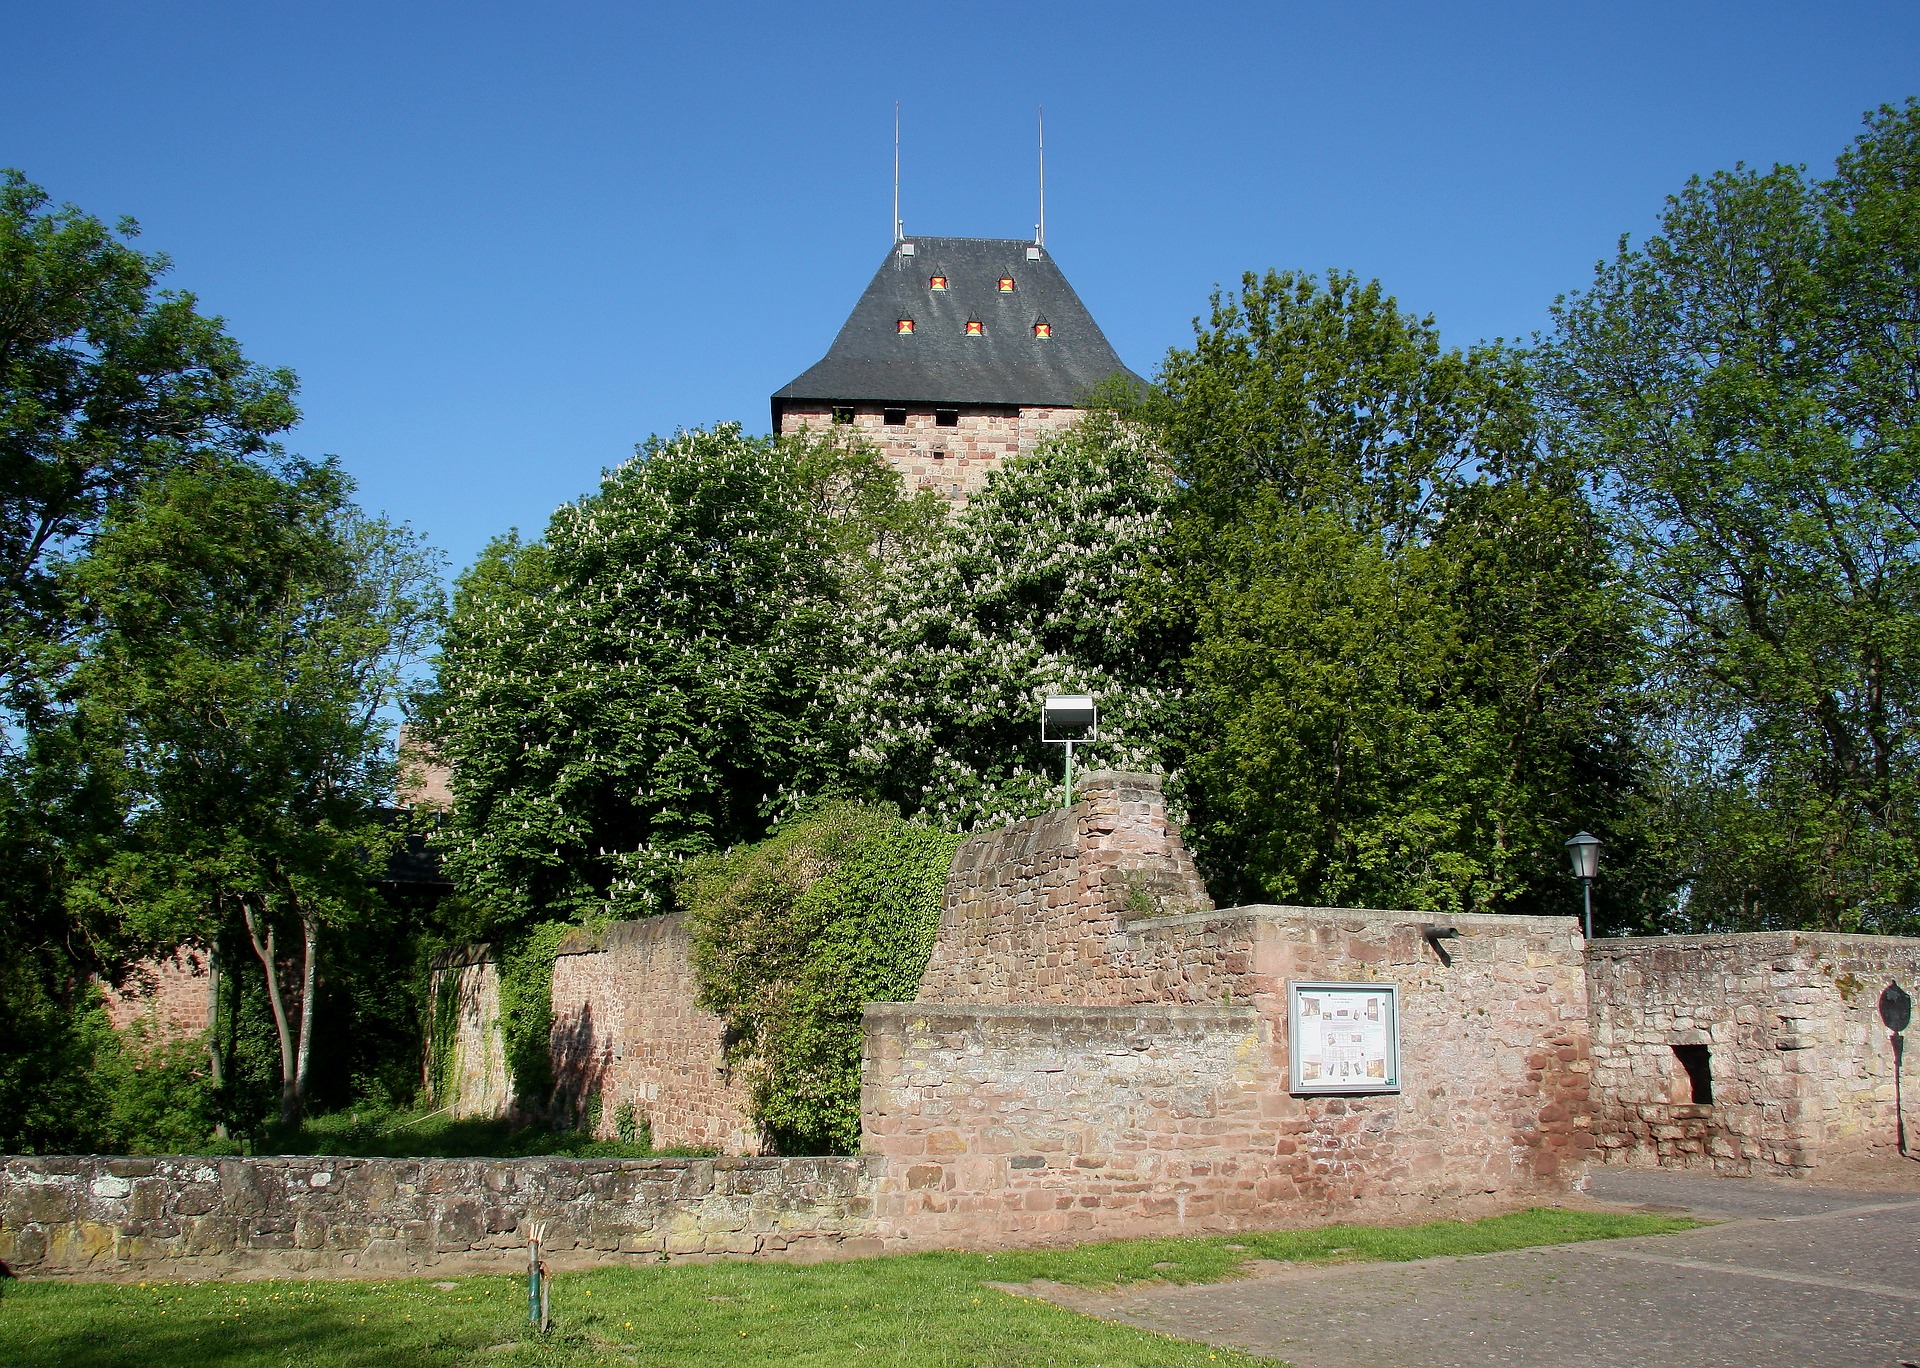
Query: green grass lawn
x,y
368,1131
922,1309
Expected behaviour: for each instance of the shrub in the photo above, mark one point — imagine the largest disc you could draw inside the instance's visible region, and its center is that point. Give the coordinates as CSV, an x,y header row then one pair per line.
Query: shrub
x,y
794,935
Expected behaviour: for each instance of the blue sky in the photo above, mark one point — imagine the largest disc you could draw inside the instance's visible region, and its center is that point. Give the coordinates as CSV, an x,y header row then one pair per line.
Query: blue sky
x,y
500,244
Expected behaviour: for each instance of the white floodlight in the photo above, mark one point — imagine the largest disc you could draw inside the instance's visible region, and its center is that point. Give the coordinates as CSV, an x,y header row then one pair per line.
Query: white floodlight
x,y
1065,719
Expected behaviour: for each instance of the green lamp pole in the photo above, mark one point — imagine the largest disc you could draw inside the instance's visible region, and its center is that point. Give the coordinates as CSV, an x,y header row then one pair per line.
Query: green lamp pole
x,y
1065,719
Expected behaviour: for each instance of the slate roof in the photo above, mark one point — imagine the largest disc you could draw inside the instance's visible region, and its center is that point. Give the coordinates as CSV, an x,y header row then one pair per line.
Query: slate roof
x,y
871,361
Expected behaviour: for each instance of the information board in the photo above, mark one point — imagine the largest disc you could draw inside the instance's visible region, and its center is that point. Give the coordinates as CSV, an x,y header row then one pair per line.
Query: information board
x,y
1344,1037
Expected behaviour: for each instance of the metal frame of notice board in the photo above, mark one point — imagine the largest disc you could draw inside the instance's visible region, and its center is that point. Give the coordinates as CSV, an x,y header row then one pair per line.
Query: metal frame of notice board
x,y
1369,1038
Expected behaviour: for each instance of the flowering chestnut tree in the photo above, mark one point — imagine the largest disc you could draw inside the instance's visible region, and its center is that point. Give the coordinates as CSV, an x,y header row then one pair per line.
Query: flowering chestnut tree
x,y
640,685
938,700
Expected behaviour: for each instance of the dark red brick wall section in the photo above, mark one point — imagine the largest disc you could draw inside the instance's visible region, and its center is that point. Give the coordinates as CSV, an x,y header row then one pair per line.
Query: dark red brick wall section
x,y
172,997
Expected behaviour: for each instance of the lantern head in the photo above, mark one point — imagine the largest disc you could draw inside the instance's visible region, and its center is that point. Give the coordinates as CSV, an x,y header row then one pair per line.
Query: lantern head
x,y
1584,853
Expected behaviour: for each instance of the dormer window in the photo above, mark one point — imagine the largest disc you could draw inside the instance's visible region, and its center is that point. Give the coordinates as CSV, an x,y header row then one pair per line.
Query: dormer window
x,y
975,328
938,282
1006,284
1042,328
905,325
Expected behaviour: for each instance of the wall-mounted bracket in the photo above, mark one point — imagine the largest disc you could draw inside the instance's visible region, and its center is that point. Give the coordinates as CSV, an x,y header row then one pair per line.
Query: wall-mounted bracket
x,y
1433,935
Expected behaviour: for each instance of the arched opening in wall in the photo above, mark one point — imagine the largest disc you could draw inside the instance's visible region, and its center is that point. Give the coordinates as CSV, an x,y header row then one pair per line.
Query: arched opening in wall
x,y
1696,1068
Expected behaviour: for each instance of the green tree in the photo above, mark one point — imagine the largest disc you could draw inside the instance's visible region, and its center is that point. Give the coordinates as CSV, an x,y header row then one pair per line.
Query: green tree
x,y
1411,667
247,635
1026,593
637,687
1744,386
106,382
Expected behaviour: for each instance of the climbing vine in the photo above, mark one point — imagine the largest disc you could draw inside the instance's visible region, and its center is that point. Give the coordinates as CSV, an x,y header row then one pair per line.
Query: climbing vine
x,y
526,1008
793,936
441,1034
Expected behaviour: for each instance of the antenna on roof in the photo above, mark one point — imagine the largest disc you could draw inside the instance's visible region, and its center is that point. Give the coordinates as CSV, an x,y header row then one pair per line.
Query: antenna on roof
x,y
897,233
1040,228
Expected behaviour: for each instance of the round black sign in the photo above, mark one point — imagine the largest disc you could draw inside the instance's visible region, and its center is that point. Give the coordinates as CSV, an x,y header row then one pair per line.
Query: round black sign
x,y
1896,1008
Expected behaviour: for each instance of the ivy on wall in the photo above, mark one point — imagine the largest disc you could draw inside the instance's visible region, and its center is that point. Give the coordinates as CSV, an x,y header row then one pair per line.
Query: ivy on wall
x,y
526,1008
443,1057
792,936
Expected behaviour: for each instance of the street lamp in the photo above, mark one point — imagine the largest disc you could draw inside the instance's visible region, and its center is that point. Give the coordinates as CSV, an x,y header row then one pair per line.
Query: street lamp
x,y
1584,851
1065,719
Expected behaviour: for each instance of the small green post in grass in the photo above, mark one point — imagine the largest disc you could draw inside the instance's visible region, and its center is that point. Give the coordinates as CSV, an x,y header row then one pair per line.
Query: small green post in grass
x,y
539,1311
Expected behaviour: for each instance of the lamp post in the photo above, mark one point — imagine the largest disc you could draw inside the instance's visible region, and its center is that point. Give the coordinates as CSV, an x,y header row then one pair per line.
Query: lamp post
x,y
1584,851
1065,719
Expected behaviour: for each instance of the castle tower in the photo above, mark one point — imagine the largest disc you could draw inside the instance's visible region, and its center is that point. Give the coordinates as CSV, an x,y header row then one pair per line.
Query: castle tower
x,y
961,353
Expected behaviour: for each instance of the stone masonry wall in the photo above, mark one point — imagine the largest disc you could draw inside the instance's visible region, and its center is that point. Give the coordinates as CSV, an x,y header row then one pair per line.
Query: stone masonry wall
x,y
1099,906
953,461
1009,1125
471,1079
1031,911
172,998
208,1218
627,1024
1801,1067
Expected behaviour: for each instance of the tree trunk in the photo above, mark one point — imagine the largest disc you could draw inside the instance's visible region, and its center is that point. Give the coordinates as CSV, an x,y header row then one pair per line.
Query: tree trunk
x,y
216,1056
263,946
310,925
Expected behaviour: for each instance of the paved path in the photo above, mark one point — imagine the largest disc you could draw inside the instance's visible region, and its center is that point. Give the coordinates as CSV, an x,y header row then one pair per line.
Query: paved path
x,y
1796,1277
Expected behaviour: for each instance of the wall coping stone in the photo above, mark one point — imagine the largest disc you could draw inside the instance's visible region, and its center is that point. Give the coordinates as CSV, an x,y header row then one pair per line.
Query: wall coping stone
x,y
462,956
617,935
1111,778
1491,921
1615,947
1174,1011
